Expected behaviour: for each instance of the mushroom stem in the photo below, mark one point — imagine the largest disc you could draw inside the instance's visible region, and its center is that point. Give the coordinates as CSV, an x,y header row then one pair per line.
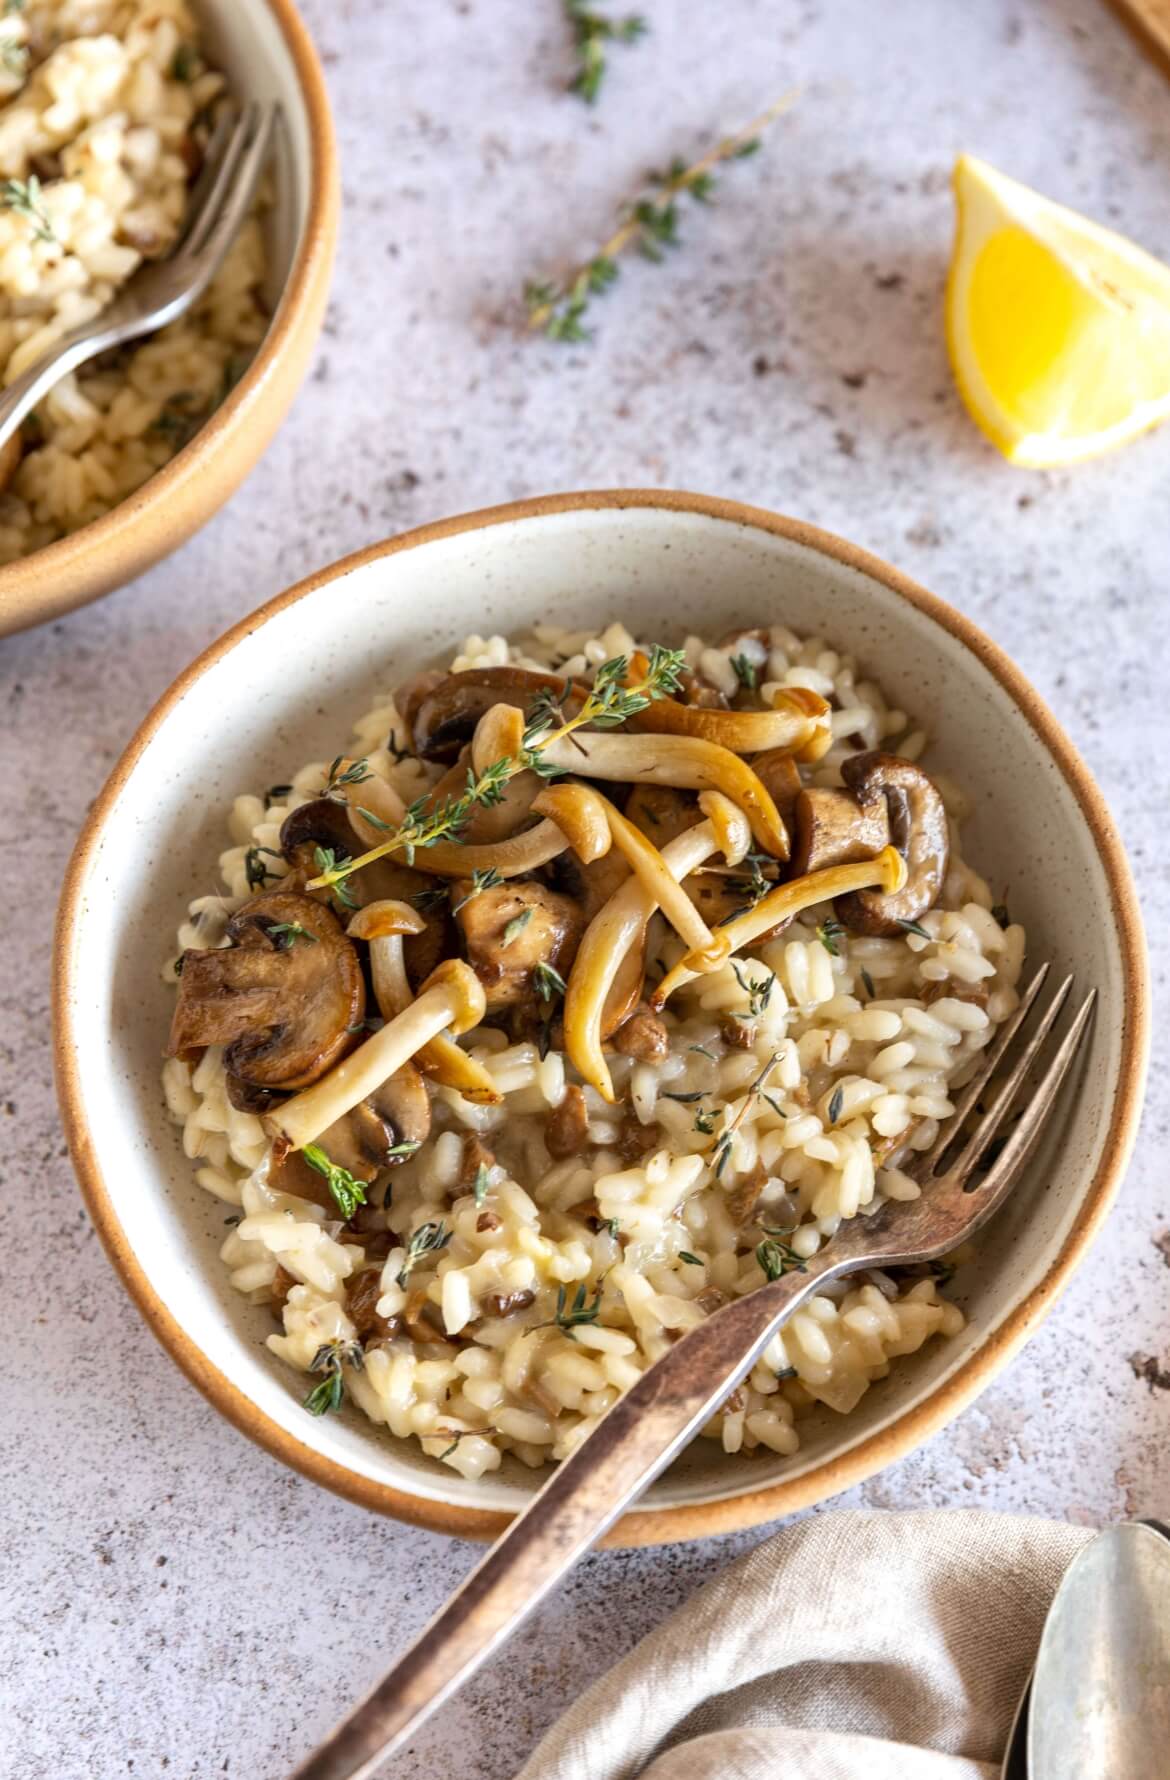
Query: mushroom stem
x,y
799,723
567,803
619,925
372,794
888,870
686,762
383,924
510,858
452,996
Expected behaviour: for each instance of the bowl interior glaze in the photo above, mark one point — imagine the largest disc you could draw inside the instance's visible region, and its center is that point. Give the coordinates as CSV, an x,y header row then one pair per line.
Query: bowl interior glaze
x,y
281,690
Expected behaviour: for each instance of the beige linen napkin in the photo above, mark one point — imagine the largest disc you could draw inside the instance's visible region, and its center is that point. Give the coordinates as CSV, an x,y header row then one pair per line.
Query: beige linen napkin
x,y
849,1647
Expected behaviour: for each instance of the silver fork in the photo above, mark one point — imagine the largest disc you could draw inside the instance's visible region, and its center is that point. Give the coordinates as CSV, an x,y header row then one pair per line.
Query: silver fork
x,y
162,290
647,1427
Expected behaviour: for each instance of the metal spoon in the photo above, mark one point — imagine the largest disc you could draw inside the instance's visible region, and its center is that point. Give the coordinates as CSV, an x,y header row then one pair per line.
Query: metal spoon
x,y
1100,1707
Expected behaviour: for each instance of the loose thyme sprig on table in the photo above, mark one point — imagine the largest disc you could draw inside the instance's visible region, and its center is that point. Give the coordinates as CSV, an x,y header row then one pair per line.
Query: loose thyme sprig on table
x,y
649,225
591,32
609,701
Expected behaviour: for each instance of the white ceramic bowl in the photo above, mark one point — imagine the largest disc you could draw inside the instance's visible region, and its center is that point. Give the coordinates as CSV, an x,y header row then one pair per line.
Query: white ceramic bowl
x,y
267,54
283,686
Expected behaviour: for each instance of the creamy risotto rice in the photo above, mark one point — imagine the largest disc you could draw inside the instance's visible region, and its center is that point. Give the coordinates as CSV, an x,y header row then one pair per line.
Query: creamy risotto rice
x,y
501,1287
104,109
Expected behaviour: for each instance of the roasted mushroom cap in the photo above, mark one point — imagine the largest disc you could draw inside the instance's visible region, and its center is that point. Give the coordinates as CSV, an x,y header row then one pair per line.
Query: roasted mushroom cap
x,y
836,828
369,1137
511,929
284,997
444,718
918,829
661,812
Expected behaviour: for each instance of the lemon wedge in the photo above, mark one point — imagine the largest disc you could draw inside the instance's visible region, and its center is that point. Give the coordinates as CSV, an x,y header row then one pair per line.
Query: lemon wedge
x,y
1058,329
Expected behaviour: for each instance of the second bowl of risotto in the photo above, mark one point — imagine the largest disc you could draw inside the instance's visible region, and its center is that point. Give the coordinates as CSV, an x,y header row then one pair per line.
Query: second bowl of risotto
x,y
106,109
575,922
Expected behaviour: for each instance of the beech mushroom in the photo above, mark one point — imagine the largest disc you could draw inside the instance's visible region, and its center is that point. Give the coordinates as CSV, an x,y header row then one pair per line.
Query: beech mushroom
x,y
919,830
283,998
10,455
617,934
683,761
382,925
446,716
452,997
888,870
799,722
662,812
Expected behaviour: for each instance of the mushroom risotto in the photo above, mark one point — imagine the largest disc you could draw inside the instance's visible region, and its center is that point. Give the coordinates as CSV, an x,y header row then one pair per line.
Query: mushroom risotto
x,y
105,110
594,985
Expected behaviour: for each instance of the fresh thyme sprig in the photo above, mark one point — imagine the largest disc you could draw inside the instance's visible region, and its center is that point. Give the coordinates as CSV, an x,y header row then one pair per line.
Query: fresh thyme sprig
x,y
480,881
591,32
356,773
328,859
829,933
746,672
255,870
283,933
348,1192
548,981
649,225
569,1316
609,701
778,1257
24,197
428,1239
328,1360
757,989
721,1154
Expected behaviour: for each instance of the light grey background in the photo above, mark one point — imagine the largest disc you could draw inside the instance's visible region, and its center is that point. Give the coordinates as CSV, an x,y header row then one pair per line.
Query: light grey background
x,y
175,1603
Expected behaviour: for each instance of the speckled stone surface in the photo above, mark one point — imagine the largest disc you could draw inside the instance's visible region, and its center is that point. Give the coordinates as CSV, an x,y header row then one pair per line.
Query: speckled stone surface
x,y
174,1602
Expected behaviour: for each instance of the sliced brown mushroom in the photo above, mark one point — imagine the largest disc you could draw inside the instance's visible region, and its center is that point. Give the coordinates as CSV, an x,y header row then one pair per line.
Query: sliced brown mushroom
x,y
362,1292
326,823
919,830
661,812
285,997
444,719
566,1128
779,774
643,1037
512,928
837,828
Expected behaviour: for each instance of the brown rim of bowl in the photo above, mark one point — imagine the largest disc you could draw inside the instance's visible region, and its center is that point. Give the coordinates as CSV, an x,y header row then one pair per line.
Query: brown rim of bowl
x,y
53,580
692,1521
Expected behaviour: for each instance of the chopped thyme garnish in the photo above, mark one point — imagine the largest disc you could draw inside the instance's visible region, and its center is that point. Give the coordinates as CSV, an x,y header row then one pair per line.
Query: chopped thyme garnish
x,y
483,1181
868,981
774,1104
705,1121
691,1260
610,701
777,1257
591,32
356,773
703,1052
569,1317
283,933
255,870
999,912
480,881
613,1226
746,672
348,1192
914,927
835,1105
185,63
829,933
433,898
721,1154
516,926
428,1239
329,1360
548,982
757,989
24,197
649,225
685,1099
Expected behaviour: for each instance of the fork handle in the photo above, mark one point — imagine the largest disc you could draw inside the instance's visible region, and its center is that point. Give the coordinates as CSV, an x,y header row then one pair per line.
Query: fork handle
x,y
22,395
586,1493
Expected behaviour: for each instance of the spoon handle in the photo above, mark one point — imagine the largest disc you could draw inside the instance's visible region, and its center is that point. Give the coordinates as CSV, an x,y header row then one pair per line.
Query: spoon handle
x,y
587,1492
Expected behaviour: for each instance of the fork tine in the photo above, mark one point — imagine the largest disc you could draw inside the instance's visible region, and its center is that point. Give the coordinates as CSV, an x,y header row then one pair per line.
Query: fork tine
x,y
990,1123
1014,1154
222,138
924,1166
218,187
214,229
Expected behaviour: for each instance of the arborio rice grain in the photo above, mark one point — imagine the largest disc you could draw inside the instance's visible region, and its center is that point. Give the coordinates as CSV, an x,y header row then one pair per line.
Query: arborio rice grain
x,y
103,104
872,1037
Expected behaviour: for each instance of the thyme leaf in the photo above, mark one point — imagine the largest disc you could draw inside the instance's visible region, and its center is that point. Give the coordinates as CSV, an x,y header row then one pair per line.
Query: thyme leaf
x,y
516,926
348,1192
428,1239
24,197
591,32
329,1360
548,982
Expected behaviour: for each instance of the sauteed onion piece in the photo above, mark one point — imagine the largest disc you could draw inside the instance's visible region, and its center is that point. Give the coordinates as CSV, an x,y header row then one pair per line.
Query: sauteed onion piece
x,y
621,925
888,870
576,808
452,996
383,924
686,762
